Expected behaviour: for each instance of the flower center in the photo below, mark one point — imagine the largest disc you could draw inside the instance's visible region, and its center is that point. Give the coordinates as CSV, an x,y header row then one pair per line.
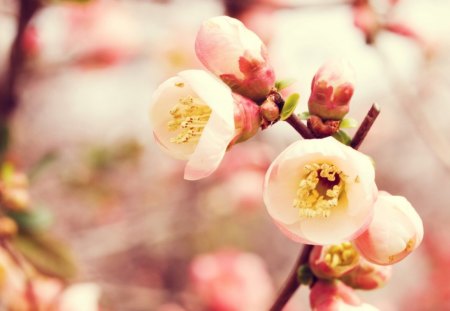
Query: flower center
x,y
189,118
343,254
318,192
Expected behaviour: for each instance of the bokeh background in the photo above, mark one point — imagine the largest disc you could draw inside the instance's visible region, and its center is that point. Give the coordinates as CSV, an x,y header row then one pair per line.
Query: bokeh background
x,y
81,131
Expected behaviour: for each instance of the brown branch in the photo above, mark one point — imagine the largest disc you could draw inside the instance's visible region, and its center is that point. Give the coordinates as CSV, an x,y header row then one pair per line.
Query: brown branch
x,y
292,283
9,100
365,126
299,126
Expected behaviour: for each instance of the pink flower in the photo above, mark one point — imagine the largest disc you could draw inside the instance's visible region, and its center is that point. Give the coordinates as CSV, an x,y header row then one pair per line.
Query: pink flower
x,y
335,296
367,275
333,261
237,55
232,281
320,191
196,117
396,230
331,90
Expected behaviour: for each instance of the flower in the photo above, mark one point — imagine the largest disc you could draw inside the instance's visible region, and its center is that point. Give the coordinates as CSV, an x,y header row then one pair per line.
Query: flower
x,y
232,281
396,230
237,55
333,261
367,275
80,297
331,90
335,296
320,191
196,117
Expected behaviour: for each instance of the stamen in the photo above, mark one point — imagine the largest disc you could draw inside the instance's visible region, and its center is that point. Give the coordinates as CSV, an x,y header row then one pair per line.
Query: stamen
x,y
189,118
341,255
319,190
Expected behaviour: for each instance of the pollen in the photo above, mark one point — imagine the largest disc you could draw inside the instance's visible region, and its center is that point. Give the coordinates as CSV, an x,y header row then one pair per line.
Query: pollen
x,y
319,190
189,118
343,254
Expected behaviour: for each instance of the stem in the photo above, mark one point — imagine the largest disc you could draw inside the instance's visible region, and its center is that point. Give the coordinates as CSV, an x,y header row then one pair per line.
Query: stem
x,y
365,126
9,100
299,126
291,284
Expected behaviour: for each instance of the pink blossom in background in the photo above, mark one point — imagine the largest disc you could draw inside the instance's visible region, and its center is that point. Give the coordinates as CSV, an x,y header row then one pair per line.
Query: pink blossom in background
x,y
193,116
320,191
331,90
236,55
336,296
396,230
232,281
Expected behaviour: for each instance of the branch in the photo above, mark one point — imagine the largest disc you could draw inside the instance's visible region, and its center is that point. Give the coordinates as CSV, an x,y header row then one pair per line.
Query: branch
x,y
365,126
9,100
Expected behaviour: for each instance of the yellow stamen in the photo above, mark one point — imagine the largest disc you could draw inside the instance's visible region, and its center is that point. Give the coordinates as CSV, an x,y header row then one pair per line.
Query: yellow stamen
x,y
189,118
341,255
318,192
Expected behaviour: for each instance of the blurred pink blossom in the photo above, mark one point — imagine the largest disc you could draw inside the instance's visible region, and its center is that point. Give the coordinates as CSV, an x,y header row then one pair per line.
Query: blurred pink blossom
x,y
396,230
320,191
232,281
237,55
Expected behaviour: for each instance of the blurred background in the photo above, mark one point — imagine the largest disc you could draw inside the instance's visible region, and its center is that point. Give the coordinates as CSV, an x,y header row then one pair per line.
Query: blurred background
x,y
116,211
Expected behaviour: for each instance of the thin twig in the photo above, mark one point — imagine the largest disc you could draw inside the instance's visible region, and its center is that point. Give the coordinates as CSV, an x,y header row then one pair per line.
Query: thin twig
x,y
299,126
365,126
292,284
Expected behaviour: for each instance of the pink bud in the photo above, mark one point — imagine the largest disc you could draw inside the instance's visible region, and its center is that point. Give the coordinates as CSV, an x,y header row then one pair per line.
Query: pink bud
x,y
335,296
366,19
331,90
396,230
247,119
332,261
237,55
367,275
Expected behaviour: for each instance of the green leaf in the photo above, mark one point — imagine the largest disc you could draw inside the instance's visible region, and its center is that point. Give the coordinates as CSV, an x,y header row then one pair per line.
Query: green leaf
x,y
348,123
342,137
304,115
38,219
289,106
46,254
282,84
46,160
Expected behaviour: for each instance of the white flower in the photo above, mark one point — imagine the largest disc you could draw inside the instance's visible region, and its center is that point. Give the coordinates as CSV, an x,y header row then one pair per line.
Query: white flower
x,y
193,119
320,191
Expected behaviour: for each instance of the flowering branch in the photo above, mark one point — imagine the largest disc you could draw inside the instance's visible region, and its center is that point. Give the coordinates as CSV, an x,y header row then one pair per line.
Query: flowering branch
x,y
292,283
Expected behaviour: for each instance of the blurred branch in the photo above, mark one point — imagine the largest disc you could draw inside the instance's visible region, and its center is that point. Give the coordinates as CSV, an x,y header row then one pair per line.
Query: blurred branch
x,y
9,99
365,126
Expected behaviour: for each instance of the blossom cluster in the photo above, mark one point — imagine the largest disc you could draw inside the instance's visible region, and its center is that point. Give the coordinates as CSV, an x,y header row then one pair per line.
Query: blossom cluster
x,y
318,191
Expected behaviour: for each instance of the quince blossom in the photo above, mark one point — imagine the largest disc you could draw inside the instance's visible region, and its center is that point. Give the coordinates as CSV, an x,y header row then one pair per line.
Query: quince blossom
x,y
333,261
336,296
236,55
367,275
196,118
320,191
331,90
396,230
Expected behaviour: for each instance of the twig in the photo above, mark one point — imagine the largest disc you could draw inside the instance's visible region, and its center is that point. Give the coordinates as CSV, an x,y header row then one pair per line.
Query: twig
x,y
299,126
365,126
9,100
292,283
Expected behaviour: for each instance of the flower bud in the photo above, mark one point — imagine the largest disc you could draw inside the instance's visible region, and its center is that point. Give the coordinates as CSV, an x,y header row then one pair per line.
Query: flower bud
x,y
367,275
236,55
396,230
335,296
331,90
333,261
247,118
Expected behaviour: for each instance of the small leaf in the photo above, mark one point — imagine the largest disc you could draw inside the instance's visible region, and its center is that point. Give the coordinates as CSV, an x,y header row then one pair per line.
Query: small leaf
x,y
282,84
38,219
304,115
46,254
348,123
342,137
289,106
304,275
